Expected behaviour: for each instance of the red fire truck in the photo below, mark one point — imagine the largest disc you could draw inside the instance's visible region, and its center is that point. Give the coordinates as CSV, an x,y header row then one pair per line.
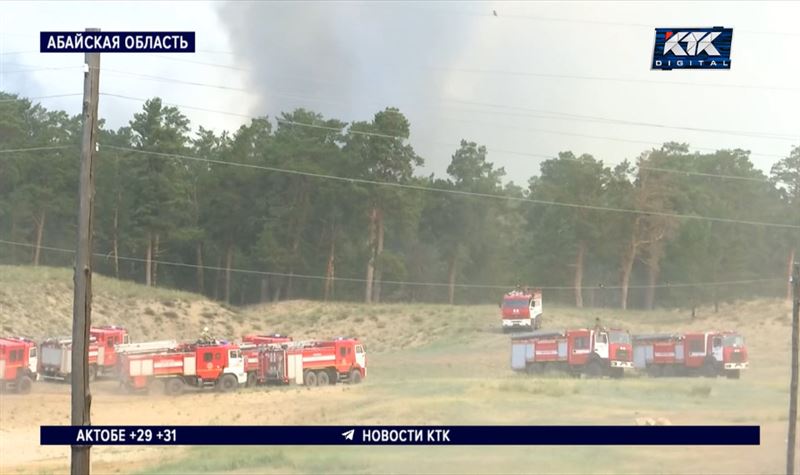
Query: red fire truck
x,y
312,363
595,352
18,364
217,364
521,310
712,353
56,353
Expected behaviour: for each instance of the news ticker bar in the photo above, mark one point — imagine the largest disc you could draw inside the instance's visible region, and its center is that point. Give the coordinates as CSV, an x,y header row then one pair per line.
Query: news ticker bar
x,y
400,435
117,42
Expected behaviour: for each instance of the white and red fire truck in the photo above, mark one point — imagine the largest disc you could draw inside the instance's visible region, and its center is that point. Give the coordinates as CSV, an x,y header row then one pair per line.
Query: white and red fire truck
x,y
312,363
56,353
594,352
217,364
712,353
18,364
521,310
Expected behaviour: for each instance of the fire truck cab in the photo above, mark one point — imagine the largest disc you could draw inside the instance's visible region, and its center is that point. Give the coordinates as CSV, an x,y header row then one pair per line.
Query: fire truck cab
x,y
107,338
521,310
18,364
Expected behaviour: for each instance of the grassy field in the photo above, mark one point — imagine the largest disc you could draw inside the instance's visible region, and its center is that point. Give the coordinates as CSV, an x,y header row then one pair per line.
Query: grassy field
x,y
428,364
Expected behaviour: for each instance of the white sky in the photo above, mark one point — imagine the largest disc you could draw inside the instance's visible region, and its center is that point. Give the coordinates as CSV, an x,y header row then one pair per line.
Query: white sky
x,y
414,56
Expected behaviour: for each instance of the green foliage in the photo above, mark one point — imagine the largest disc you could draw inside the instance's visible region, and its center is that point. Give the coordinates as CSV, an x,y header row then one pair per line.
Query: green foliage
x,y
216,203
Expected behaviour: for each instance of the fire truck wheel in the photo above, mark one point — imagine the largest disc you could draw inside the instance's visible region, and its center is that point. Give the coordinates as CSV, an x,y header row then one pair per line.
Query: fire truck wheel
x,y
310,378
323,379
24,385
733,374
355,376
594,369
251,380
617,373
228,383
173,387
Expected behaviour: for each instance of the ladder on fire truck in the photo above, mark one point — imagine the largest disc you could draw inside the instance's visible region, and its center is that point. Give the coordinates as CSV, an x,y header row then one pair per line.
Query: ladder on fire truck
x,y
145,347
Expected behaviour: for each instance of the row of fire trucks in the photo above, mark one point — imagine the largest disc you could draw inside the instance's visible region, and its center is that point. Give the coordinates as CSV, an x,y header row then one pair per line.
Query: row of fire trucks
x,y
207,362
600,351
22,361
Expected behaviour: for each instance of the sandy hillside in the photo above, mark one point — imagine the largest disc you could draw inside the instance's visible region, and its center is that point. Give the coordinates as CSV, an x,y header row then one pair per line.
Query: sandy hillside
x,y
37,302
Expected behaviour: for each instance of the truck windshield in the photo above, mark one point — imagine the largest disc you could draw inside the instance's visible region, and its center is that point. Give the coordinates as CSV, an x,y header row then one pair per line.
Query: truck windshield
x,y
515,303
733,340
619,337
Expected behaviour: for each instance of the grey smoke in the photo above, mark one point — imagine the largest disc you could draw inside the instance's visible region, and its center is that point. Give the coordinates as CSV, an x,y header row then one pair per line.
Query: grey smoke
x,y
349,60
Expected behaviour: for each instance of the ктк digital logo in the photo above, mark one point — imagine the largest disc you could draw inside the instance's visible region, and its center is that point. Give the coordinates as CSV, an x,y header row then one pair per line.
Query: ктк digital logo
x,y
693,48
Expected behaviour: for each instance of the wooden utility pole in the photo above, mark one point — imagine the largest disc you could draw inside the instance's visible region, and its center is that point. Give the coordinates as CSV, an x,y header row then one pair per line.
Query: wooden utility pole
x,y
82,305
792,442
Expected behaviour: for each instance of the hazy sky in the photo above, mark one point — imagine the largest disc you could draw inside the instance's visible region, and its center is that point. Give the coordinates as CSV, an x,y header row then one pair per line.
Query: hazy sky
x,y
526,83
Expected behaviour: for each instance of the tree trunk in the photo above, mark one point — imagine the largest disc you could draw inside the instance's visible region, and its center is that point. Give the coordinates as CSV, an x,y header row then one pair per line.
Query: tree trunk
x,y
13,233
115,238
578,282
264,296
148,260
218,278
276,295
155,260
653,271
228,263
376,292
299,215
201,278
627,267
39,232
789,275
451,279
329,271
371,261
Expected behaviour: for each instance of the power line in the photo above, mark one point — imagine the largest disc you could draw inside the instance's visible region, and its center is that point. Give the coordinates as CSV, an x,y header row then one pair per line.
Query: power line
x,y
201,63
34,149
172,80
391,282
52,96
585,21
490,149
9,53
617,79
31,70
526,74
459,192
566,116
